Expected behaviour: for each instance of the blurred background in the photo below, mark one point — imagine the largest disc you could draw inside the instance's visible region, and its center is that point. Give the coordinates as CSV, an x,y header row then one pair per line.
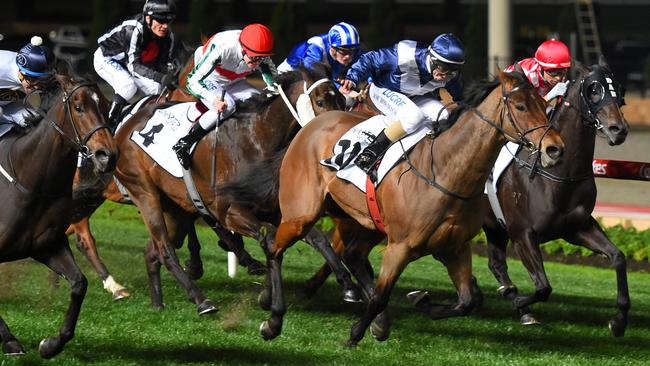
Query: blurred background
x,y
73,26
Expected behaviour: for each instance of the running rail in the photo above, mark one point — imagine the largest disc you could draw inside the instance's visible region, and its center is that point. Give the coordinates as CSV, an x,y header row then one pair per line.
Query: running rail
x,y
618,169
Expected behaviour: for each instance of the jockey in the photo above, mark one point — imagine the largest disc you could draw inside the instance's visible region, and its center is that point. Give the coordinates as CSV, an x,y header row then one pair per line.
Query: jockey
x,y
404,78
547,71
219,78
30,69
338,48
134,55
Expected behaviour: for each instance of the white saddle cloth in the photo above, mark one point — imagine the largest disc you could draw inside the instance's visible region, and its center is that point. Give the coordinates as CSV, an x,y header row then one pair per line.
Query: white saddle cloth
x,y
162,131
360,136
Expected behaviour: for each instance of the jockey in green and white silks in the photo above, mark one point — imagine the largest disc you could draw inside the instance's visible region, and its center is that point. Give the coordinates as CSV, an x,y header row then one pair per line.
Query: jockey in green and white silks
x,y
219,78
22,72
404,79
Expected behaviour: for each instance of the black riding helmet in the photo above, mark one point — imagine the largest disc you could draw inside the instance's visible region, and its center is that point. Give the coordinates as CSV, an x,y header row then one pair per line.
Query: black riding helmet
x,y
160,10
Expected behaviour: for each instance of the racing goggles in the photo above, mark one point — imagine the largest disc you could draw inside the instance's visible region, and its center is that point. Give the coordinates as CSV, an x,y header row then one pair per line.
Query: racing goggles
x,y
451,70
345,51
163,18
556,72
44,79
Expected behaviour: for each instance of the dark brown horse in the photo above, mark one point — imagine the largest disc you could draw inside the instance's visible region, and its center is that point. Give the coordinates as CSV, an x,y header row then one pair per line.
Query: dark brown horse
x,y
557,202
419,219
38,168
257,131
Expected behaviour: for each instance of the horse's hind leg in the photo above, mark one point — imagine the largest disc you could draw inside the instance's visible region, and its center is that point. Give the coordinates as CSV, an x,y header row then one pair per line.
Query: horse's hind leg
x,y
194,265
87,246
595,239
10,345
62,262
153,264
235,243
459,267
318,240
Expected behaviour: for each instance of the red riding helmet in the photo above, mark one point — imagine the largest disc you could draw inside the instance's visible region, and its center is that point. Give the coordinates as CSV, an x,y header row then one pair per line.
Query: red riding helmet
x,y
257,40
553,54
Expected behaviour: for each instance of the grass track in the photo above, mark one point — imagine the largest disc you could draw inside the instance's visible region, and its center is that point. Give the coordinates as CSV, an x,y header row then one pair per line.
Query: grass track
x,y
129,332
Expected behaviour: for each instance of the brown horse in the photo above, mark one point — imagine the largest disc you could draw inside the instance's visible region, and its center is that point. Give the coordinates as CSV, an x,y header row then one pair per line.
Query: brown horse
x,y
38,168
419,219
557,202
258,130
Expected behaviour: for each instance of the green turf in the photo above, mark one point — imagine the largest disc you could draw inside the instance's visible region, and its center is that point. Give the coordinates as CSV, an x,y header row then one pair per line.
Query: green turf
x,y
130,332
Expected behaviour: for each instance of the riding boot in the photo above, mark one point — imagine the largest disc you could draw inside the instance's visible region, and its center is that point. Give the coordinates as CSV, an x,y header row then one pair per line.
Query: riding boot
x,y
369,156
182,147
115,112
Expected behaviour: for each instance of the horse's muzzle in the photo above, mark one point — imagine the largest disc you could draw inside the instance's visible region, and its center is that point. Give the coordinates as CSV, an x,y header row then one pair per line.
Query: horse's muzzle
x,y
552,155
104,160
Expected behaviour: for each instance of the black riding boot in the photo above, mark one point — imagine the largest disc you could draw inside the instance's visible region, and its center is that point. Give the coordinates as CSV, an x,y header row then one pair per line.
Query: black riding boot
x,y
182,147
115,112
369,156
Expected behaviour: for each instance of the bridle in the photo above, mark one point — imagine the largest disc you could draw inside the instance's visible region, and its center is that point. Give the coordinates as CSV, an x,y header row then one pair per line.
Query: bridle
x,y
78,142
520,139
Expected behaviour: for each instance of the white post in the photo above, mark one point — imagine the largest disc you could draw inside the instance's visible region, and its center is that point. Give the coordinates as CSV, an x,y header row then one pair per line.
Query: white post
x,y
499,35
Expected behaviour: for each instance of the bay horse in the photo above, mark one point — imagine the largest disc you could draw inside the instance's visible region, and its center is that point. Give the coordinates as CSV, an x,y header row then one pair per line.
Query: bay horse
x,y
38,169
557,202
419,219
258,130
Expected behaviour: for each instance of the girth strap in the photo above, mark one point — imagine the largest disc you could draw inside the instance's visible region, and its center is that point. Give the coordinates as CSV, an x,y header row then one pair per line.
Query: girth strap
x,y
371,199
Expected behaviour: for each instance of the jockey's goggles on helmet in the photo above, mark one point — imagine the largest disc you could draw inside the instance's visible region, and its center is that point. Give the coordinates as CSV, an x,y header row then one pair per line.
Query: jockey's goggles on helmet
x,y
556,72
451,70
35,79
255,58
163,18
345,51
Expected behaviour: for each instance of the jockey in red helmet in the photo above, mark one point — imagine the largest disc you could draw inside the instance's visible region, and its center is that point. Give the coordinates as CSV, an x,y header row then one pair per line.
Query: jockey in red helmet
x,y
219,77
547,71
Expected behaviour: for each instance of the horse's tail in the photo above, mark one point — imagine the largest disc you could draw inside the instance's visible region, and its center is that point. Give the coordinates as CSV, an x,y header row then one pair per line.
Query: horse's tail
x,y
258,186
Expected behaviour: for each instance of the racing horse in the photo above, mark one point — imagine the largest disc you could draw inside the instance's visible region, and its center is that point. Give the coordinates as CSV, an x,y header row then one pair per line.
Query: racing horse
x,y
421,215
557,202
260,128
38,167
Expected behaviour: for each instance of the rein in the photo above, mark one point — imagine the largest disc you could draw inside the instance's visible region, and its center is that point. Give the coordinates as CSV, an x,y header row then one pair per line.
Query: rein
x,y
307,91
519,139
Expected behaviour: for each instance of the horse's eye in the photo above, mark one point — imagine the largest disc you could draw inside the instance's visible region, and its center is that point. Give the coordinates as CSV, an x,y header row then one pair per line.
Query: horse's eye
x,y
77,108
320,103
520,107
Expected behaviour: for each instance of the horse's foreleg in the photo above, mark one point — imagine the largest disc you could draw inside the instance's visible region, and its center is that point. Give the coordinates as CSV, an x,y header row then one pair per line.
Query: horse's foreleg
x,y
395,260
87,246
317,240
194,265
531,256
595,239
62,262
235,243
152,262
10,345
497,241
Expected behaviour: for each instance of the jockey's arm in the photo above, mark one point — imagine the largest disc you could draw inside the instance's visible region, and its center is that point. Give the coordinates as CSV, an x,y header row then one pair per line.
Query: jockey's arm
x,y
195,80
134,63
269,72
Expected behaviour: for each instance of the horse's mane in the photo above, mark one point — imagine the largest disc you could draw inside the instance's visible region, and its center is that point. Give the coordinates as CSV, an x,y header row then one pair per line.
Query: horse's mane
x,y
316,72
477,92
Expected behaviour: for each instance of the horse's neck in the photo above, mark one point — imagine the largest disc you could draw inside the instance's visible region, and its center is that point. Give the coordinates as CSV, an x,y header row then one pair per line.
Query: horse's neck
x,y
42,160
274,127
465,154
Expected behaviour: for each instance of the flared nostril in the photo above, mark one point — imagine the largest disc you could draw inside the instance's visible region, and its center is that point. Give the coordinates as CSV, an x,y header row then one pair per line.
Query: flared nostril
x,y
105,160
554,152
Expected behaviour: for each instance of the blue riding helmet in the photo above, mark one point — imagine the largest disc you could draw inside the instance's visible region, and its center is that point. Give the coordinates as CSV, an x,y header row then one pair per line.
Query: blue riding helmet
x,y
160,9
35,59
343,35
447,48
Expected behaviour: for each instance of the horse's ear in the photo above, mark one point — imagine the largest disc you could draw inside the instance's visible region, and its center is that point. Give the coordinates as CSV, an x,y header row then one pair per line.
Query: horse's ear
x,y
602,62
204,39
63,80
582,68
63,67
519,69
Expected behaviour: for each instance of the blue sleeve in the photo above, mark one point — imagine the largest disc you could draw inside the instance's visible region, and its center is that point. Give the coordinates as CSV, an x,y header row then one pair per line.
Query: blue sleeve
x,y
368,65
313,53
455,88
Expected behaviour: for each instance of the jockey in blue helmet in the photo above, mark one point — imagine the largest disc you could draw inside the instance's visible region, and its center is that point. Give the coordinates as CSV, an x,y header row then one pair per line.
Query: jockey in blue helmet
x,y
29,69
338,48
404,77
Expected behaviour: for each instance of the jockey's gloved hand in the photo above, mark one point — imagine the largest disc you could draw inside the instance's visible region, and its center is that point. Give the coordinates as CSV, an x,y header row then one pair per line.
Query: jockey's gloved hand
x,y
270,90
558,91
168,81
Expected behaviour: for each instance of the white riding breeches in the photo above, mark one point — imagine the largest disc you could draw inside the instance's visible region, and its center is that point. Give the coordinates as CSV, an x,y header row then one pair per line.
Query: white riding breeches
x,y
119,78
411,112
239,89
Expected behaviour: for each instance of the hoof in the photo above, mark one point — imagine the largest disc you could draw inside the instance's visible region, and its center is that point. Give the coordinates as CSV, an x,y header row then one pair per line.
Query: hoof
x,y
121,294
617,328
206,307
529,319
264,300
351,343
380,333
50,347
13,348
256,268
266,332
417,296
352,295
505,291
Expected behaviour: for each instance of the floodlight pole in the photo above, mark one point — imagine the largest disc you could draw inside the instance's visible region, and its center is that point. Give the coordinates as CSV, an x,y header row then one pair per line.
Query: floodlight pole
x,y
499,35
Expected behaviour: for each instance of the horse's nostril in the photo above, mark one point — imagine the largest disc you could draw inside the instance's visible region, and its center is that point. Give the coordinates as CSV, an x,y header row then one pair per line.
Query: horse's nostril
x,y
615,129
554,152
